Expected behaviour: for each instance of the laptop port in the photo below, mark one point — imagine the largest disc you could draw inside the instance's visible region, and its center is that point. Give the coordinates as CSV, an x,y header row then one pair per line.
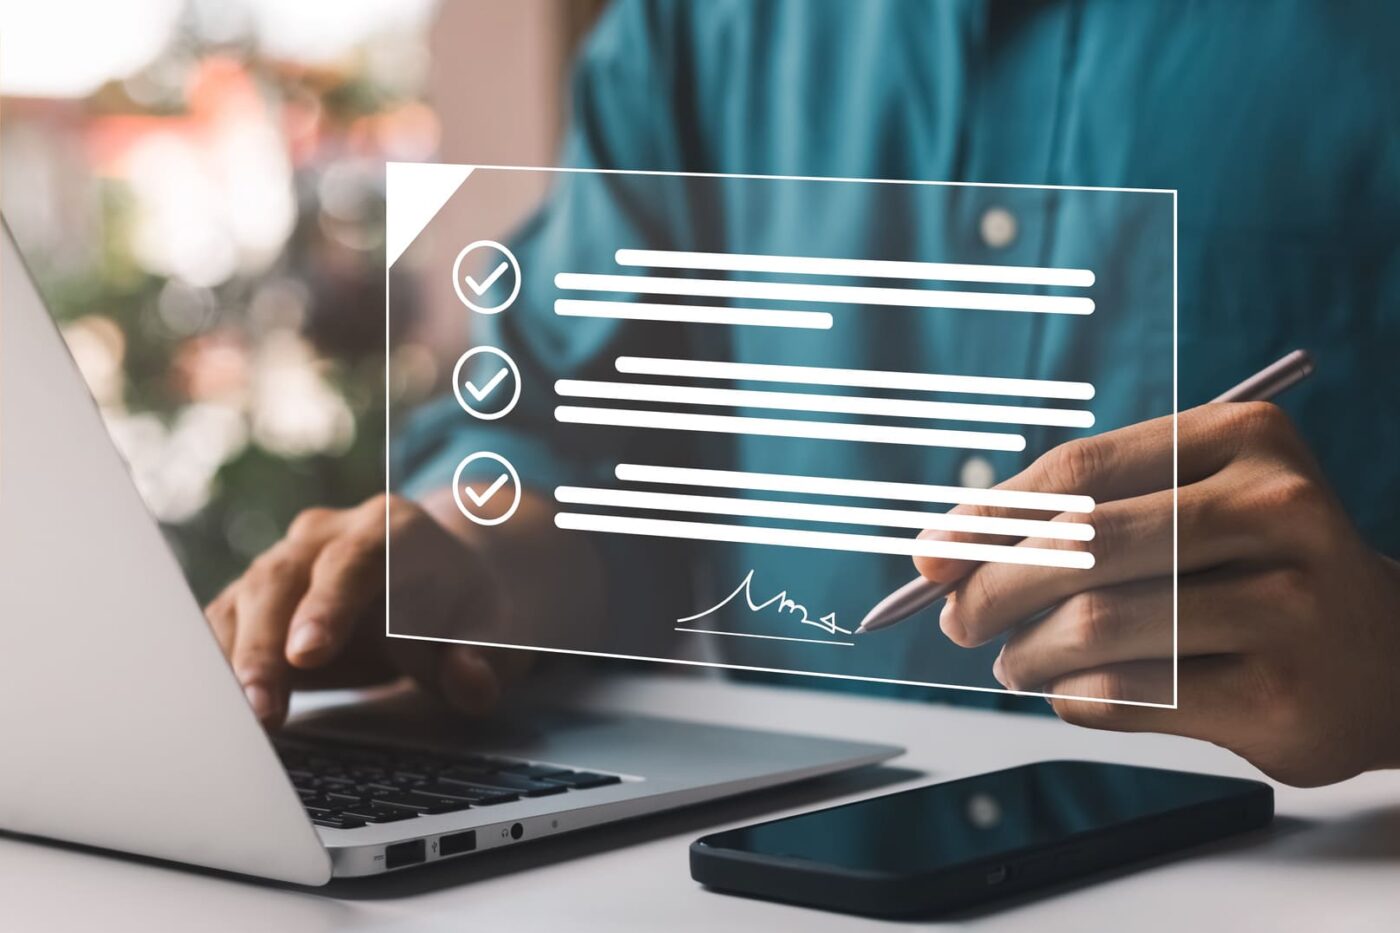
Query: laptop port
x,y
405,853
457,843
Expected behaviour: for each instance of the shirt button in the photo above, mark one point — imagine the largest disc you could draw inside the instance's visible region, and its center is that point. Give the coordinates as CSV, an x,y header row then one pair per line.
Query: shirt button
x,y
998,227
977,473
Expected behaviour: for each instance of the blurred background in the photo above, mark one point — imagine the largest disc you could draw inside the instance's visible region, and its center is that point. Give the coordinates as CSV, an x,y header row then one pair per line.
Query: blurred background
x,y
198,187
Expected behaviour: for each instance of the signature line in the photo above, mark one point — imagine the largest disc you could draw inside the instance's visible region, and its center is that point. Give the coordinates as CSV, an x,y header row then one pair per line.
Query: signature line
x,y
827,623
810,641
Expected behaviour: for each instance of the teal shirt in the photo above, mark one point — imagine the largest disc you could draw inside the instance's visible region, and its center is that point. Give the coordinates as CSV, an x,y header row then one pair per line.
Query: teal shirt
x,y
1278,124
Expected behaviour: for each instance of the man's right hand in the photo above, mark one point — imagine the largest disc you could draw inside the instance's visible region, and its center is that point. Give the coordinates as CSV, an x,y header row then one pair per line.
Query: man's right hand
x,y
310,611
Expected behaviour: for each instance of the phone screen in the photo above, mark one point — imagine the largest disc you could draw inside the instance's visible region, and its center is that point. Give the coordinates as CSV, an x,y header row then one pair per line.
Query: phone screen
x,y
930,828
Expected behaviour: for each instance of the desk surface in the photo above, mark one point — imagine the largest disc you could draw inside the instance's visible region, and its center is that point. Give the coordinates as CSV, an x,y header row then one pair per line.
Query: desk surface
x,y
1332,860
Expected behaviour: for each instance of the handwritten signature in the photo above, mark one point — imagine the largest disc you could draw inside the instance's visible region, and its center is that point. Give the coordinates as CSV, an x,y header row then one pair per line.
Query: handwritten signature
x,y
826,623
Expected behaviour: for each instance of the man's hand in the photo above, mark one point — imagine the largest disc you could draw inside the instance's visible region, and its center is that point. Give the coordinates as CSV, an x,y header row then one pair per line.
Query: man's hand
x,y
1288,624
310,611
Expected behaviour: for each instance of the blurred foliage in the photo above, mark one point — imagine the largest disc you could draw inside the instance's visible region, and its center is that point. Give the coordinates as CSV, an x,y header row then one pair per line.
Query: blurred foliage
x,y
257,491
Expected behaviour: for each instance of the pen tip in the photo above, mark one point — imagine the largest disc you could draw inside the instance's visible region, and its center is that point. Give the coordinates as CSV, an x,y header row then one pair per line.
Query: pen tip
x,y
870,623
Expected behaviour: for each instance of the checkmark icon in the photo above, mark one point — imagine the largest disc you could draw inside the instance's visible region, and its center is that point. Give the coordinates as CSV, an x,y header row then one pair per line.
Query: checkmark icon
x,y
480,499
481,393
479,288
472,395
471,503
471,290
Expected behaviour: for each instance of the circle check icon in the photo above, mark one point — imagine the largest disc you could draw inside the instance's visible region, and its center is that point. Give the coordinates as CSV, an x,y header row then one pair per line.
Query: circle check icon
x,y
497,262
476,395
468,499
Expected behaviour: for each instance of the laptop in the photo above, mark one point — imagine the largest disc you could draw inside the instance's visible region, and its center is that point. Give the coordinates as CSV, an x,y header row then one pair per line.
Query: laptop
x,y
124,728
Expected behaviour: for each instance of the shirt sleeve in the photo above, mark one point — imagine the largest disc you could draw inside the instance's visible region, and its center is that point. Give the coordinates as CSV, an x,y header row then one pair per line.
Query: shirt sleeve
x,y
623,116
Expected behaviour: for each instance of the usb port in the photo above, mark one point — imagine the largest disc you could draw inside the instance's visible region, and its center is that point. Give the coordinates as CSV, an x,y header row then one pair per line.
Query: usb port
x,y
457,843
405,853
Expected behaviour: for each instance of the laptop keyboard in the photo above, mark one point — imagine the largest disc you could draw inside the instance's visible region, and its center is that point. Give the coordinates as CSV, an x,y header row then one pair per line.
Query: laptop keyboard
x,y
349,786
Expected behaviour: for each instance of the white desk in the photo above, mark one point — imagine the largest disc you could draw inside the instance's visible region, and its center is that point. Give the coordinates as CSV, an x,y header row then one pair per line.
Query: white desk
x,y
1332,862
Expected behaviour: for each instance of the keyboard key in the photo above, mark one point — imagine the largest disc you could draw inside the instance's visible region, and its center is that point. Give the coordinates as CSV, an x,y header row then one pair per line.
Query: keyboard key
x,y
403,784
536,772
320,806
416,802
482,762
338,823
489,798
371,815
333,779
523,786
480,796
464,775
447,791
443,804
368,772
581,780
361,756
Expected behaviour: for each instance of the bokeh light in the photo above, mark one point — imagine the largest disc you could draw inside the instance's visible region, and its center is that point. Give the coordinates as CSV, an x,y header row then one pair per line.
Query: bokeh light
x,y
198,187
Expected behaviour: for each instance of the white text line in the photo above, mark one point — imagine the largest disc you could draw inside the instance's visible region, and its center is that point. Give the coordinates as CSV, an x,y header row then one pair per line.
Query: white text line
x,y
693,314
818,512
852,378
839,294
777,427
863,488
826,540
867,268
834,404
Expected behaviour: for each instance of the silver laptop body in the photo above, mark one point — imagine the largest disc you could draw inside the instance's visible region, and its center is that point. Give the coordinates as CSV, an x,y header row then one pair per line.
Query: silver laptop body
x,y
122,725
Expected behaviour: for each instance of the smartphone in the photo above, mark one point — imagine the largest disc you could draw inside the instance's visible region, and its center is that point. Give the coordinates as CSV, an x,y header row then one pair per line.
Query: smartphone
x,y
962,843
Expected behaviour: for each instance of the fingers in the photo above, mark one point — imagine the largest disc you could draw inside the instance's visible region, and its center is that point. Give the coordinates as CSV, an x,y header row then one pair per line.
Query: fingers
x,y
460,675
473,678
222,620
250,617
263,606
347,576
1133,540
1128,682
1129,462
468,680
1212,697
1118,464
1089,630
313,599
1128,622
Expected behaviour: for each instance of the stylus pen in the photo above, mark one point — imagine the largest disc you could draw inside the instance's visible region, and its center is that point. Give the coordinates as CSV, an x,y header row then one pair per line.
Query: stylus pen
x,y
920,593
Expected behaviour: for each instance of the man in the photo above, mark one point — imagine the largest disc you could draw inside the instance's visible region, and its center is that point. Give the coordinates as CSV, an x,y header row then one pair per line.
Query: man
x,y
1279,125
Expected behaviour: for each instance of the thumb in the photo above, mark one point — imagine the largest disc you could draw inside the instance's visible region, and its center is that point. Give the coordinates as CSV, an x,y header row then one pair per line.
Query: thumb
x,y
468,681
